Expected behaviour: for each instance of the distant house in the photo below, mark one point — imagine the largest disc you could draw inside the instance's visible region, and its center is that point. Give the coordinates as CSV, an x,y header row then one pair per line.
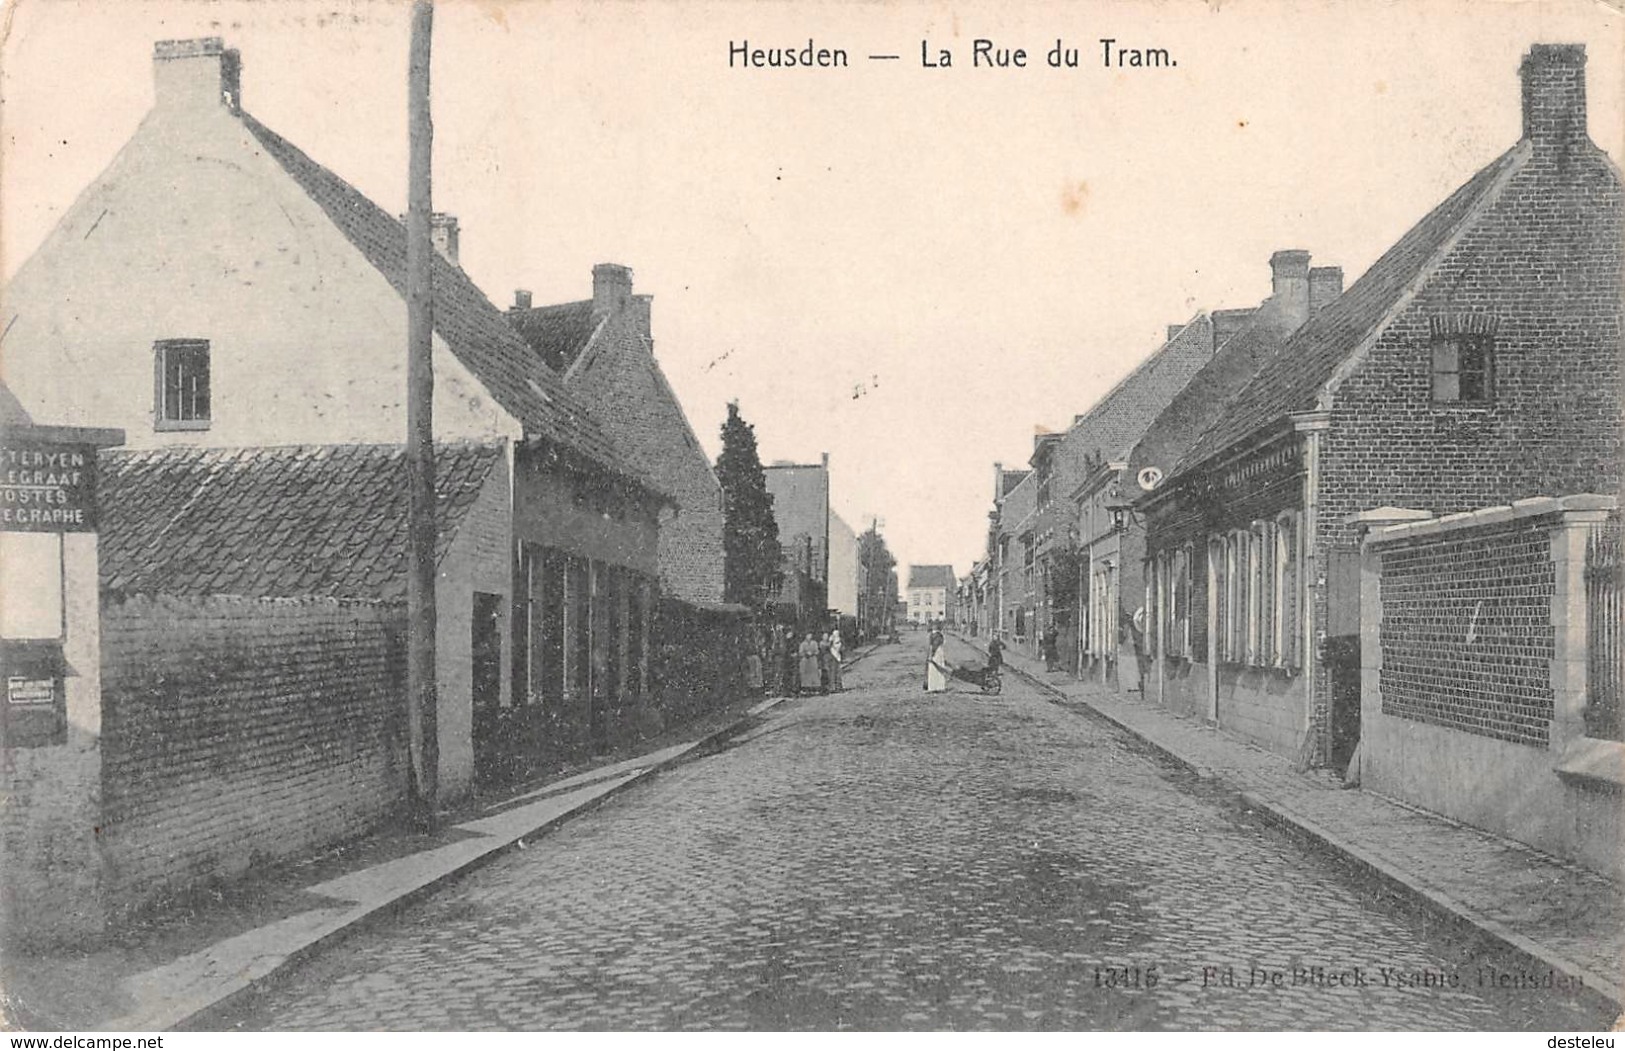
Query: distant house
x,y
238,310
801,509
604,348
930,593
1477,362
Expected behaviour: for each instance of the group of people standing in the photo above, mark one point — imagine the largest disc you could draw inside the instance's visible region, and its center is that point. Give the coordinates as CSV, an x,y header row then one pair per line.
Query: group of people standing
x,y
784,665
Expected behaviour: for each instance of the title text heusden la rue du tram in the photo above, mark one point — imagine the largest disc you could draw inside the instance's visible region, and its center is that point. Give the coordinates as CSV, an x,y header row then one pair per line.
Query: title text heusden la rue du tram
x,y
1107,52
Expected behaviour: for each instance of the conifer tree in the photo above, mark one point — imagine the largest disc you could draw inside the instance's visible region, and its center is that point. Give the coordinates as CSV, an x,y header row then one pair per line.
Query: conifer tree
x,y
752,561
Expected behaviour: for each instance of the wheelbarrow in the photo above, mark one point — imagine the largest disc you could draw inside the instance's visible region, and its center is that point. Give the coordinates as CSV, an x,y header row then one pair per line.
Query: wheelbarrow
x,y
987,678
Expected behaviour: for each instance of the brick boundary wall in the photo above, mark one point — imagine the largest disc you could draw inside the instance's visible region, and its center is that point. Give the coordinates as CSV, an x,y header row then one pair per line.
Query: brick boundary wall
x,y
242,731
1474,679
1467,633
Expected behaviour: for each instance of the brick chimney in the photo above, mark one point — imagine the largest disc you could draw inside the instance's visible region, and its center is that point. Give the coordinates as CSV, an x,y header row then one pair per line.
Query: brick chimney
x,y
201,72
1226,323
445,234
1554,95
521,299
1325,285
611,287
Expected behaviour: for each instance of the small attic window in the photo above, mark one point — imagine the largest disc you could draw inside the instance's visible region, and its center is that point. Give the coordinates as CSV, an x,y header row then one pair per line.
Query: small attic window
x,y
1463,369
182,395
1462,349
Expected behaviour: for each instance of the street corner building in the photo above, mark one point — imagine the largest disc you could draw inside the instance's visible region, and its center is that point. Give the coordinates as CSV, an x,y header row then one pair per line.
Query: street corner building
x,y
236,309
1375,541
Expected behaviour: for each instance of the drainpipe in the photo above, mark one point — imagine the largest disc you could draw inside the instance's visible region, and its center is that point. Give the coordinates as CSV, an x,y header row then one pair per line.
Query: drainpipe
x,y
1156,611
1214,553
1312,425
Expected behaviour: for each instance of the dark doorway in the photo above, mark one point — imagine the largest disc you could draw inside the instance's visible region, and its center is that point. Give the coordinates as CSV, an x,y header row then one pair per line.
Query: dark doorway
x,y
487,650
1343,671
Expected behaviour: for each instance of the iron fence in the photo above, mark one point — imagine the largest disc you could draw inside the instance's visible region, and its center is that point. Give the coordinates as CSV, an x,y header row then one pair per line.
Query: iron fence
x,y
1605,642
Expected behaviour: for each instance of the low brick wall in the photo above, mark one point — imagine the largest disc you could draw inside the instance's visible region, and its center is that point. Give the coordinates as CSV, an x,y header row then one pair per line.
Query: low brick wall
x,y
241,731
1467,633
1473,676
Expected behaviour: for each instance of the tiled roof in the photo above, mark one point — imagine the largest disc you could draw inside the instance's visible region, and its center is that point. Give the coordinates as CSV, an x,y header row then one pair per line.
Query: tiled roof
x,y
472,326
12,413
1194,409
1115,422
1294,374
931,577
557,332
285,521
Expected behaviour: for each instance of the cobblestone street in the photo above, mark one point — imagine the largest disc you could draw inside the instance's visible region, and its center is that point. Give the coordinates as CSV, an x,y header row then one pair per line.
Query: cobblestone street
x,y
884,859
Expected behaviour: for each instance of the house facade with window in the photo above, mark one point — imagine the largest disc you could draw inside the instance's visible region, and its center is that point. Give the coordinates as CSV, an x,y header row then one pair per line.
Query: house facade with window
x,y
930,593
1013,553
217,288
1090,570
1174,624
1476,363
604,348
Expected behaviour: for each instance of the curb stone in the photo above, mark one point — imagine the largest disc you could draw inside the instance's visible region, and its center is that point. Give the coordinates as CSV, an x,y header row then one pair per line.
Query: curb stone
x,y
1593,987
271,967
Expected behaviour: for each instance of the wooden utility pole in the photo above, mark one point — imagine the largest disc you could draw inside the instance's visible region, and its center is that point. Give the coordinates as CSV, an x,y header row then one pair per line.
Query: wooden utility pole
x,y
422,734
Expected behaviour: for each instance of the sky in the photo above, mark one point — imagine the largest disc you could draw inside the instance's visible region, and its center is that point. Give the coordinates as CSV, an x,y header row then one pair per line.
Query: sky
x,y
911,268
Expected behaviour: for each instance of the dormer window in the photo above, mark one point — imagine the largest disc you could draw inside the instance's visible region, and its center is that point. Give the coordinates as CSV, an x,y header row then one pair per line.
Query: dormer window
x,y
181,367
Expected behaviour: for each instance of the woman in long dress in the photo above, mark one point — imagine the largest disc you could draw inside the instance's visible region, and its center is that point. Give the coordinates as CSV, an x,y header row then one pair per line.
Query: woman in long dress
x,y
936,666
809,663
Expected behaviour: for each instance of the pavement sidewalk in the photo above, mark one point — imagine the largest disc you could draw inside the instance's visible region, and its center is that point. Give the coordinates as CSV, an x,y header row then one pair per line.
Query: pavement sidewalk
x,y
174,975
1559,915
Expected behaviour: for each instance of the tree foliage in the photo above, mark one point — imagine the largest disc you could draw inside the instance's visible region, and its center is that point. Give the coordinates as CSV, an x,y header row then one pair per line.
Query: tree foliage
x,y
752,560
879,580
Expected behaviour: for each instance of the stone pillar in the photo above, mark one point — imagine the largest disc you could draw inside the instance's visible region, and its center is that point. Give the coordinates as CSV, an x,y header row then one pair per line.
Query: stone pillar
x,y
1569,616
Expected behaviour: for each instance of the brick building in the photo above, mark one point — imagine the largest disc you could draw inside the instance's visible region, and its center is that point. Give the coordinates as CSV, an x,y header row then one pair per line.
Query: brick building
x,y
1477,362
604,348
1088,569
1174,649
800,493
1011,554
217,289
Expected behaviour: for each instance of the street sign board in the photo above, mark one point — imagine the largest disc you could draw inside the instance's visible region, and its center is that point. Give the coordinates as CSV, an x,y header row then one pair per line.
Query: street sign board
x,y
46,487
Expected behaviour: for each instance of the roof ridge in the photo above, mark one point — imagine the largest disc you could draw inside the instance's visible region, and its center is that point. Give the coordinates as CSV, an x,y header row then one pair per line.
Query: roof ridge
x,y
1491,194
1145,362
1363,308
479,335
